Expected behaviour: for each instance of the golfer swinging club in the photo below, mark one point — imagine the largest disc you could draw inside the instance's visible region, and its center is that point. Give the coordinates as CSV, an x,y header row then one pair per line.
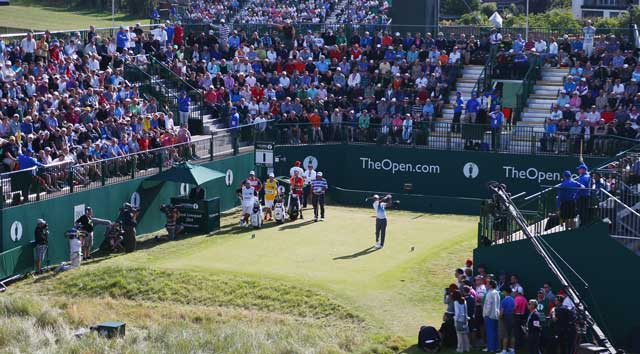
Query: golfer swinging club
x,y
380,205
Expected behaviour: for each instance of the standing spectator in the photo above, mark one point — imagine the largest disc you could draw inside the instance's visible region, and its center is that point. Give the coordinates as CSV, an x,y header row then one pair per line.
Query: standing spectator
x,y
587,43
491,314
473,106
319,187
122,39
457,113
184,103
534,328
520,317
28,48
495,39
507,321
565,326
481,290
461,321
42,243
496,121
567,193
583,200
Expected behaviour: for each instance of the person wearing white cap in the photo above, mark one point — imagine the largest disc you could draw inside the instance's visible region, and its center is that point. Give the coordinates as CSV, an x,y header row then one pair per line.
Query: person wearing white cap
x,y
247,196
254,182
380,206
270,193
309,175
319,187
42,243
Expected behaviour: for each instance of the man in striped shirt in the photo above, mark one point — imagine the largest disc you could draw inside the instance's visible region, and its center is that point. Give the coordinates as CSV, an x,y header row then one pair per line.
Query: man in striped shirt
x,y
319,187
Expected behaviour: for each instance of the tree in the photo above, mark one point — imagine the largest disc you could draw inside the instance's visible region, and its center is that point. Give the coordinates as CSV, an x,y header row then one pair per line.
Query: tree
x,y
475,18
457,7
539,6
488,8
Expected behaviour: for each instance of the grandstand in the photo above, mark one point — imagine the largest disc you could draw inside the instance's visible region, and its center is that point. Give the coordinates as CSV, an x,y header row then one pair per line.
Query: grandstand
x,y
87,115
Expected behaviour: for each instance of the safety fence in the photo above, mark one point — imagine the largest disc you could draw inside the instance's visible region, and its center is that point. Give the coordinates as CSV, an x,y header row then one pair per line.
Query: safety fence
x,y
61,178
341,29
613,197
432,134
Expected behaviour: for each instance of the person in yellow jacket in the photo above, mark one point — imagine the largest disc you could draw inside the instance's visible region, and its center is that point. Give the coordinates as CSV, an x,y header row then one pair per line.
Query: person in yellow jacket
x,y
270,194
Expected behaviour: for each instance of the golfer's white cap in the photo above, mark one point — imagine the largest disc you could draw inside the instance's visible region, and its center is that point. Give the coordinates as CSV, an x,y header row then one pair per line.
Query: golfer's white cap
x,y
41,221
320,174
271,174
375,196
252,173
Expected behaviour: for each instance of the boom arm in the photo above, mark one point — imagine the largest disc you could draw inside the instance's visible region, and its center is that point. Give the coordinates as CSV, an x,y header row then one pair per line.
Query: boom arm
x,y
504,197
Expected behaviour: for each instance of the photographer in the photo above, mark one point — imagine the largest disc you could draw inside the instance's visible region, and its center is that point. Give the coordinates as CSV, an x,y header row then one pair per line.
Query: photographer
x,y
172,214
42,243
129,219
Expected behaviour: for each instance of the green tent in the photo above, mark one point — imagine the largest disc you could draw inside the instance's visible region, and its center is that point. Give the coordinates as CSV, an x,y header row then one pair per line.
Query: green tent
x,y
187,173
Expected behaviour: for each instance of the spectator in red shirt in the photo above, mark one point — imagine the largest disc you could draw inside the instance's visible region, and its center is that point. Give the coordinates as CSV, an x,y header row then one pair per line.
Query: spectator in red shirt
x,y
520,317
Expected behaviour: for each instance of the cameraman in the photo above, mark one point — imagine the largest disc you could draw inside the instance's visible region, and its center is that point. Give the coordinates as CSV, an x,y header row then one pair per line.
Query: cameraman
x,y
129,219
42,243
172,214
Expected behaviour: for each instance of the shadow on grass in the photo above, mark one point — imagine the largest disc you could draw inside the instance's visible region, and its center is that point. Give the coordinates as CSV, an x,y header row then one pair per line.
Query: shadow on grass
x,y
296,225
364,252
412,350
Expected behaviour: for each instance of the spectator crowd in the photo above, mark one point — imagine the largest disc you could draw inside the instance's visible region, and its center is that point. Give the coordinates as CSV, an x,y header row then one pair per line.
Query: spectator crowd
x,y
65,102
491,311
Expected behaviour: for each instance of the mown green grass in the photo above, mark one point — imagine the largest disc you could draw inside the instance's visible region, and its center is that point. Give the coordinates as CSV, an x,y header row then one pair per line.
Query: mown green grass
x,y
320,284
36,16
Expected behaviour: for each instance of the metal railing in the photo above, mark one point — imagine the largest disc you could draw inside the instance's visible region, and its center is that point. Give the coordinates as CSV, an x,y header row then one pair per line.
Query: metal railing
x,y
608,199
51,181
350,28
173,84
528,82
432,134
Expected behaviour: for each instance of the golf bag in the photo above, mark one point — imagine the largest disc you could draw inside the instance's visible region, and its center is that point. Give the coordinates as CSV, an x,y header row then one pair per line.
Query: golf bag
x,y
256,214
279,212
429,339
293,206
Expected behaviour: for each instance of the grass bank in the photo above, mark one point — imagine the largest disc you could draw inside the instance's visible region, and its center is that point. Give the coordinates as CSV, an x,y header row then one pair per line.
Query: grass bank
x,y
39,16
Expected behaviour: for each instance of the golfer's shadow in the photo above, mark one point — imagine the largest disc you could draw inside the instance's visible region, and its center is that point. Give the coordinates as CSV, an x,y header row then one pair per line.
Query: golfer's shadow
x,y
364,252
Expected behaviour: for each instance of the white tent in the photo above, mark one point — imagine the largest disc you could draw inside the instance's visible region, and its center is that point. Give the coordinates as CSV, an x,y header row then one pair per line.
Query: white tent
x,y
496,20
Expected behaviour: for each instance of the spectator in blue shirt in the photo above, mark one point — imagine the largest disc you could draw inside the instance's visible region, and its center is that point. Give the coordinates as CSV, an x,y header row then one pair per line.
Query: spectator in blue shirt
x,y
567,193
496,121
184,102
570,85
518,44
27,161
583,201
507,321
457,112
122,37
473,106
169,29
